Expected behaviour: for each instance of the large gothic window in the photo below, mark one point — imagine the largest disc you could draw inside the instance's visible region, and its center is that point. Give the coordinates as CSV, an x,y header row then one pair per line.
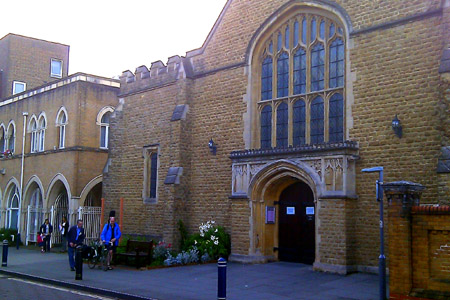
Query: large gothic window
x,y
302,76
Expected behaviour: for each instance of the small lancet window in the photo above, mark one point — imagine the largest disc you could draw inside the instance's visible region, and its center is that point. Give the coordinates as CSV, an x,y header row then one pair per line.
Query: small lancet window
x,y
280,41
283,75
313,30
332,30
299,122
286,38
266,127
337,63
300,72
317,67
296,33
304,30
336,118
266,79
317,121
322,30
282,125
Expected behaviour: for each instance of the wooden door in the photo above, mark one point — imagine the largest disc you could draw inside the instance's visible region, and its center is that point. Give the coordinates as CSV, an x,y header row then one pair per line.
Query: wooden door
x,y
297,224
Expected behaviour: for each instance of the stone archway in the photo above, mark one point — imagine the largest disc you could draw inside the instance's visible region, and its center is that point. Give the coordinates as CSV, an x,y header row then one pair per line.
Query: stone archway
x,y
266,187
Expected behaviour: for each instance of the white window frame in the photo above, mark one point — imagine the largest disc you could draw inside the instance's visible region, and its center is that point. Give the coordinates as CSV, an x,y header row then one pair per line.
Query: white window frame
x,y
20,83
102,112
34,136
9,209
41,133
62,127
54,75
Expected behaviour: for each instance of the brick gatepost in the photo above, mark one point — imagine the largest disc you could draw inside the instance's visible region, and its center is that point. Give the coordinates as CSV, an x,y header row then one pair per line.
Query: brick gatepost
x,y
401,196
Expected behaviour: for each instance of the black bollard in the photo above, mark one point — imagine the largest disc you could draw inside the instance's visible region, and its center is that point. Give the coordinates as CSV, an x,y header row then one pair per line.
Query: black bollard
x,y
5,253
78,263
222,279
18,240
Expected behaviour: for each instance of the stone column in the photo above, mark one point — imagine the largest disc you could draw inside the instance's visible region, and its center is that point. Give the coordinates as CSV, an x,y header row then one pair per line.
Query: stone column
x,y
401,196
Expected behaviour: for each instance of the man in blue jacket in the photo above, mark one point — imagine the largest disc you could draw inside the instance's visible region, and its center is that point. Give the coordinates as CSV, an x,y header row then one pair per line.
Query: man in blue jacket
x,y
110,237
75,237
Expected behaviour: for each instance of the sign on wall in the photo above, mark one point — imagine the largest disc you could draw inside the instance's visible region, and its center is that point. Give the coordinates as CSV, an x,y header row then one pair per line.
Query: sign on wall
x,y
270,214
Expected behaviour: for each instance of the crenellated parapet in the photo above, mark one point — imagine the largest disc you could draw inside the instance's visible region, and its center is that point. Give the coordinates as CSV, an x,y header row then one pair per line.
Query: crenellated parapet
x,y
159,74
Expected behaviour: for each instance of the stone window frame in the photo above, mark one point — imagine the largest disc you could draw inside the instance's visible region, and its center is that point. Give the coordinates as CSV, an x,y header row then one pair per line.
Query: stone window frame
x,y
55,75
11,136
99,122
3,139
147,153
16,82
61,126
270,41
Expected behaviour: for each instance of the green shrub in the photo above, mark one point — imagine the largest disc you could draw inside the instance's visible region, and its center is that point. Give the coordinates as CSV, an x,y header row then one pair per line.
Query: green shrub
x,y
6,234
211,239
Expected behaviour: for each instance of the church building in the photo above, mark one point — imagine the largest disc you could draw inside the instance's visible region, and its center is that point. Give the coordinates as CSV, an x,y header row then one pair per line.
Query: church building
x,y
265,128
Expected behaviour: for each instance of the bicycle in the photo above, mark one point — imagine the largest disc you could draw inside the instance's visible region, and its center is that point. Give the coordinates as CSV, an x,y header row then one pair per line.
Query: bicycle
x,y
98,254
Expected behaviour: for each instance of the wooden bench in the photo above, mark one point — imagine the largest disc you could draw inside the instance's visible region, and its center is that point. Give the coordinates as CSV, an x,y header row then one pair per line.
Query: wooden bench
x,y
138,250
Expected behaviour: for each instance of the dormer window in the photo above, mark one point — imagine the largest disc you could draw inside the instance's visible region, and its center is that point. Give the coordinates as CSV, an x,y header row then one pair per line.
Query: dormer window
x,y
56,68
19,87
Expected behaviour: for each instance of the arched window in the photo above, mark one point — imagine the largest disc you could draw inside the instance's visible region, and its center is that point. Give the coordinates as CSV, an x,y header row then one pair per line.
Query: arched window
x,y
34,135
104,130
336,118
317,117
61,123
299,123
2,139
11,137
41,133
103,120
307,66
266,127
12,211
282,125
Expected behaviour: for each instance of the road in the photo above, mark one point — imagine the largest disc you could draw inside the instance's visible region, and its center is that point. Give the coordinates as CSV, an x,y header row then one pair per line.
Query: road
x,y
18,289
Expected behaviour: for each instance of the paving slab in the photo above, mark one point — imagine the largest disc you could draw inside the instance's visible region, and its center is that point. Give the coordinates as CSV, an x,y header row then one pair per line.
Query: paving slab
x,y
278,280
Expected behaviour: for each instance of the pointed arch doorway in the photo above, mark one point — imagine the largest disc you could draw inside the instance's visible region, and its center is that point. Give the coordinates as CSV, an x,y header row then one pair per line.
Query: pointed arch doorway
x,y
296,228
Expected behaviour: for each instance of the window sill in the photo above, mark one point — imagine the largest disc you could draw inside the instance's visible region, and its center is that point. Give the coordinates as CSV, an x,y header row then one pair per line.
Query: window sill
x,y
150,200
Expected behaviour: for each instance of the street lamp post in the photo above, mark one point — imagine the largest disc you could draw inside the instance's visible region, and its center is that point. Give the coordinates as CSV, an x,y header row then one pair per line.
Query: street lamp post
x,y
382,257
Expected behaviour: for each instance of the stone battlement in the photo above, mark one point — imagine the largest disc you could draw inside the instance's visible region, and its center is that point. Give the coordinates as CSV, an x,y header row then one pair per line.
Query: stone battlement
x,y
159,74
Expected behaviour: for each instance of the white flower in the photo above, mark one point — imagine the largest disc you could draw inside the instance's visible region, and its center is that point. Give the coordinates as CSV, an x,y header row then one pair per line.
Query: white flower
x,y
215,230
195,242
202,234
216,242
213,238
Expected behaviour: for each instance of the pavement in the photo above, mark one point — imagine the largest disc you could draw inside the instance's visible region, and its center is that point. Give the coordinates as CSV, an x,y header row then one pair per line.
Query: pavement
x,y
277,280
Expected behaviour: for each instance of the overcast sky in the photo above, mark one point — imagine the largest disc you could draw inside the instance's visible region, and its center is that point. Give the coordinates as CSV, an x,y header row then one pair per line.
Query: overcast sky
x,y
108,37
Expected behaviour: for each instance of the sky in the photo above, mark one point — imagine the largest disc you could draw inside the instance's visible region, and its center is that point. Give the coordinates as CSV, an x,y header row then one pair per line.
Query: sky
x,y
109,37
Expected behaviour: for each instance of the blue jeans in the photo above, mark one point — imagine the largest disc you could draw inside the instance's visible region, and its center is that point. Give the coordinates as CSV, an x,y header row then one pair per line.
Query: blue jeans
x,y
71,252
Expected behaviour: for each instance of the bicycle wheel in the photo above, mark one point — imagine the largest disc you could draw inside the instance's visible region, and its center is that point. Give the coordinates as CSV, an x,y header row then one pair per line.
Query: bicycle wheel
x,y
93,259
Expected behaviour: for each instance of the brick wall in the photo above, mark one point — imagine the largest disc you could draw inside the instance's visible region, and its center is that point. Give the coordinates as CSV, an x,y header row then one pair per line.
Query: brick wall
x,y
28,60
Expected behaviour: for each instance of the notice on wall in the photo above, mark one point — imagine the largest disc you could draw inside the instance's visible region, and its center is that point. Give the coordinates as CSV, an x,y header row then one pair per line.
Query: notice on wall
x,y
270,214
310,210
290,210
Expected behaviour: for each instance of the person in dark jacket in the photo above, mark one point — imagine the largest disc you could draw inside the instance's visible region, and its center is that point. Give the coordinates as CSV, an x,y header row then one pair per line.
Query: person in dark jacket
x,y
110,237
64,228
46,230
75,237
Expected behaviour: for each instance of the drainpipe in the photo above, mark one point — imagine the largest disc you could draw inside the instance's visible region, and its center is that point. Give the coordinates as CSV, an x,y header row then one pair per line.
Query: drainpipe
x,y
25,114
